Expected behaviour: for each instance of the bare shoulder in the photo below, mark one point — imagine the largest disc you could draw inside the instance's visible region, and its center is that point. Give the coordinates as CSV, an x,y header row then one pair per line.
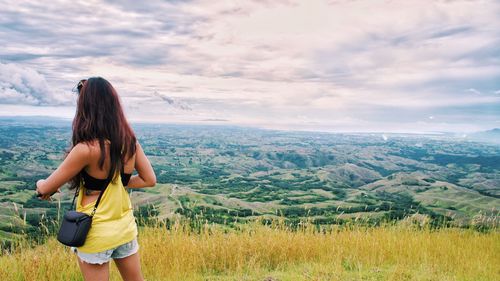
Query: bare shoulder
x,y
93,148
131,156
93,145
81,147
138,148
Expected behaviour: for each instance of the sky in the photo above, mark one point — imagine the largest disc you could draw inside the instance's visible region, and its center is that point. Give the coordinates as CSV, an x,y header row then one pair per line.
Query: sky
x,y
337,66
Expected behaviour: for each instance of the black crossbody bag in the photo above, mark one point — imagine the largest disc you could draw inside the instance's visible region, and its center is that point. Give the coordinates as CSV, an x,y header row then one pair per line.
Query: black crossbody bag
x,y
76,225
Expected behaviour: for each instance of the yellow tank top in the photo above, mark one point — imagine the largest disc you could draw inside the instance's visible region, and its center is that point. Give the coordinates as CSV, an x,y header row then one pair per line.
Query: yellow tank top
x,y
113,223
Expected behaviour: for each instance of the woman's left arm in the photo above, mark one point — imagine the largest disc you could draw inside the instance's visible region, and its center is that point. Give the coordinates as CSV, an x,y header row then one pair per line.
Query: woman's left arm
x,y
76,160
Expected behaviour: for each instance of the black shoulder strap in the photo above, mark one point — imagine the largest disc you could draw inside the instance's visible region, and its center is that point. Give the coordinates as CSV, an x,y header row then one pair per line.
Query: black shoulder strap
x,y
108,180
74,197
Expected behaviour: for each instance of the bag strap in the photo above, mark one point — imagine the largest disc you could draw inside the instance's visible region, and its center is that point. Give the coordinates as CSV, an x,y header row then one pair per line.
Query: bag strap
x,y
74,197
108,180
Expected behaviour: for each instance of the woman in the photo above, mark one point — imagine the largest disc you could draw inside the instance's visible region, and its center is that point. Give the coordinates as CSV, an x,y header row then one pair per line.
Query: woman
x,y
103,144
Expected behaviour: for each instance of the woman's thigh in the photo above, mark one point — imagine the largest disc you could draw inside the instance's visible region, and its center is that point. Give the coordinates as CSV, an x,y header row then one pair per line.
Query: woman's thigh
x,y
91,272
130,267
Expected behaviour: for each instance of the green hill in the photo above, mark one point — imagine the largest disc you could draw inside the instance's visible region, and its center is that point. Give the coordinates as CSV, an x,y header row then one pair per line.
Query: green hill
x,y
228,174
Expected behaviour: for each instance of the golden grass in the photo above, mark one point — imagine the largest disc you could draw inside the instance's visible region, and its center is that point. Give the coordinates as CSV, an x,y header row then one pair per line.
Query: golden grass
x,y
275,252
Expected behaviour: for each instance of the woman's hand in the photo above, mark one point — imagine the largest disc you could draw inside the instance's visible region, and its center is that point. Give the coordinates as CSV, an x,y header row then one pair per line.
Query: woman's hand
x,y
40,194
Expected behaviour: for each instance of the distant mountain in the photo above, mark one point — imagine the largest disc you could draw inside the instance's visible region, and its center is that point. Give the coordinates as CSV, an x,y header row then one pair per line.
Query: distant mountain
x,y
487,136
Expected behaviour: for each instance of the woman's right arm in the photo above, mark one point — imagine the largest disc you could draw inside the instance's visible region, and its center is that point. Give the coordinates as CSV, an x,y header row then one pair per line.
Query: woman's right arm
x,y
146,175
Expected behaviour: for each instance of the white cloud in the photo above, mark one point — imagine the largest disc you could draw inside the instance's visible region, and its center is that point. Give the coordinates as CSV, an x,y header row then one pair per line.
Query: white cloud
x,y
21,85
474,91
264,61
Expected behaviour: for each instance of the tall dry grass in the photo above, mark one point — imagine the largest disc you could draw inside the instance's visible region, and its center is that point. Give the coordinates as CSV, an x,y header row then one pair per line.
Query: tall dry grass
x,y
276,252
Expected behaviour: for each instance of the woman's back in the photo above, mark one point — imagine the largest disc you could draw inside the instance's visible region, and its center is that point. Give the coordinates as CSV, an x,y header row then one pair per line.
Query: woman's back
x,y
96,174
113,223
138,162
95,154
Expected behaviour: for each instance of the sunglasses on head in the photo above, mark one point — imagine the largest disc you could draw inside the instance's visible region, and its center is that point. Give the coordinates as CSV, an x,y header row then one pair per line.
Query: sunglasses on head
x,y
79,86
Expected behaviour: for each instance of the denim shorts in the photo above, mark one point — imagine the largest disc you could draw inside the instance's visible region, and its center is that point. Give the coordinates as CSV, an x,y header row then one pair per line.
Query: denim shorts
x,y
119,252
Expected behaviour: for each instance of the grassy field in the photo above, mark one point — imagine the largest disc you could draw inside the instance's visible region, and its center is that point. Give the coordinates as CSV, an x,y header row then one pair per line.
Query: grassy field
x,y
275,252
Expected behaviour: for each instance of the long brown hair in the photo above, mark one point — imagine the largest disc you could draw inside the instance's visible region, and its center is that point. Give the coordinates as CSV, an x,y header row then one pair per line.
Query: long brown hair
x,y
99,116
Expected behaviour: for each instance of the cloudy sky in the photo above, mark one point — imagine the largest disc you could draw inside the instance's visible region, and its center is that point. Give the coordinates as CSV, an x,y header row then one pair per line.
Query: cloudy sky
x,y
392,66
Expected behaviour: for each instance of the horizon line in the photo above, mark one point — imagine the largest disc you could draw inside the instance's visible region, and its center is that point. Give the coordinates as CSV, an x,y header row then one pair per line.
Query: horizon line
x,y
205,122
